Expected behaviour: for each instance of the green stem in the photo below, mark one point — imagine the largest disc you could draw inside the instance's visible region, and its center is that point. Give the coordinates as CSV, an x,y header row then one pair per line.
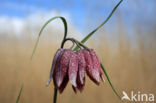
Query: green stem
x,y
55,89
77,42
81,44
55,95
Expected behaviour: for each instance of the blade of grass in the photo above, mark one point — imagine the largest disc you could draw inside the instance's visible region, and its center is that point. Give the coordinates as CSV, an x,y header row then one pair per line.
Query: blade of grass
x,y
51,19
19,95
65,34
91,33
104,70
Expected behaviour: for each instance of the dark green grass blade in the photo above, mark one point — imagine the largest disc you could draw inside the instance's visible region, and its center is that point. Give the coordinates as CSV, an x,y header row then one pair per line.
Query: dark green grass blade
x,y
65,31
91,33
65,34
19,95
104,70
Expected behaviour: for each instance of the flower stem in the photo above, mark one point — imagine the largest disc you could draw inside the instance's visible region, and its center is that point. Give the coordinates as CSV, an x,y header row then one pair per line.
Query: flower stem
x,y
81,44
77,42
55,89
55,95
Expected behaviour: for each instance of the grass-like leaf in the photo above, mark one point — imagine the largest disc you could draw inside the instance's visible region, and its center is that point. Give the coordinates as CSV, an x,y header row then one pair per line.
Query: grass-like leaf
x,y
65,34
65,31
91,33
19,95
104,70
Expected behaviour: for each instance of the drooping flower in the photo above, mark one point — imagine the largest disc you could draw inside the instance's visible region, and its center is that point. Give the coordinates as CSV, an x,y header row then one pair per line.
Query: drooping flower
x,y
58,54
61,68
96,63
81,71
71,66
66,70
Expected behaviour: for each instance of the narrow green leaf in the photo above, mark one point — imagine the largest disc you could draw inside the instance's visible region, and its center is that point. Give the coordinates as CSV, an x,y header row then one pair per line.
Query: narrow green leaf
x,y
91,33
104,70
65,31
19,95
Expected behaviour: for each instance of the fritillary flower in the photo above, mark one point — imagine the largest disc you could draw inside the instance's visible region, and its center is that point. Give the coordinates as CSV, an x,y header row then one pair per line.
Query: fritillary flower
x,y
72,66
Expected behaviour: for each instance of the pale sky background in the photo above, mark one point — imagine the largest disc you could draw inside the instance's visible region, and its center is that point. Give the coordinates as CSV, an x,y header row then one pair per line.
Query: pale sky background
x,y
84,15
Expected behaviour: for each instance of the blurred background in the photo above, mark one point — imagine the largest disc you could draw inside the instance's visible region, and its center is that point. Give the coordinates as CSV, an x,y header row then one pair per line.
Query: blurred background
x,y
126,45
